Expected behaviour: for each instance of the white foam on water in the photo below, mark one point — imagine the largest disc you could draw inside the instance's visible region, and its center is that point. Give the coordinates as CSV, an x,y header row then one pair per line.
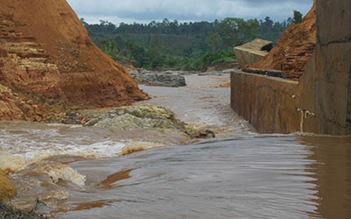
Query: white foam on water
x,y
66,173
63,125
20,147
11,162
139,146
33,153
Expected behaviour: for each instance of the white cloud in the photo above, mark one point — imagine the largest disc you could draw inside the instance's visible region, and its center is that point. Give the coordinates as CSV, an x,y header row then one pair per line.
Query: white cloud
x,y
145,11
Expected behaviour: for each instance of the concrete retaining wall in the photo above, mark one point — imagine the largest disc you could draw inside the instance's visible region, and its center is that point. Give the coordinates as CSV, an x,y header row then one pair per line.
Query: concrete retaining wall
x,y
331,74
322,98
268,103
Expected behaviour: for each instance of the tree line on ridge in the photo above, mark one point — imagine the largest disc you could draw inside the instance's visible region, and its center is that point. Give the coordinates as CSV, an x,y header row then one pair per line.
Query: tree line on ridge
x,y
185,46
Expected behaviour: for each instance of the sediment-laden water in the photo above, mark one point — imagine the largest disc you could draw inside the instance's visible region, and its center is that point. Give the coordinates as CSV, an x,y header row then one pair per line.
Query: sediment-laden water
x,y
77,172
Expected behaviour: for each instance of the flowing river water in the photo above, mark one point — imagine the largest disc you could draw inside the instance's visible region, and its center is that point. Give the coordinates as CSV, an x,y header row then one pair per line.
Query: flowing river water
x,y
76,172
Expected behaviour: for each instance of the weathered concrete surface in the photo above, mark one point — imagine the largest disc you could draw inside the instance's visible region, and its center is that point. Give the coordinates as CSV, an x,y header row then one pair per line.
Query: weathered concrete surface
x,y
252,52
321,101
326,87
266,102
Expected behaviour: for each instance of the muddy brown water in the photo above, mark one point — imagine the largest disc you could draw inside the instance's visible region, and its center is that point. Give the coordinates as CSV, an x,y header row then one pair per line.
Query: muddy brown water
x,y
77,172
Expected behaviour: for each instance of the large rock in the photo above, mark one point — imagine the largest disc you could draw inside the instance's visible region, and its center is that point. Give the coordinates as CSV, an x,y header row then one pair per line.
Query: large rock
x,y
7,189
162,79
133,117
48,59
252,52
8,212
149,117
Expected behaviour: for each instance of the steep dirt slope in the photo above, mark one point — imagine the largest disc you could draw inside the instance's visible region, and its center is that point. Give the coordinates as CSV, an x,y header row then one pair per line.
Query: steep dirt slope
x,y
294,49
48,63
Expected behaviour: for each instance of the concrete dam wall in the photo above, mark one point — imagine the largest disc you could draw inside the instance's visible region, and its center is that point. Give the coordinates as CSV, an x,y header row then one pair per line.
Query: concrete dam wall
x,y
320,102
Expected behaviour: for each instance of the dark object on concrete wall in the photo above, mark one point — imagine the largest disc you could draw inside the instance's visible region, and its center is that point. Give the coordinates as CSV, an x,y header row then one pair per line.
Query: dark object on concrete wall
x,y
267,72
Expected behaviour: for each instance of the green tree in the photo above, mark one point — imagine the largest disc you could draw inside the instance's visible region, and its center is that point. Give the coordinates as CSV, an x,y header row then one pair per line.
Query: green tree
x,y
173,44
297,17
155,57
236,31
214,40
109,48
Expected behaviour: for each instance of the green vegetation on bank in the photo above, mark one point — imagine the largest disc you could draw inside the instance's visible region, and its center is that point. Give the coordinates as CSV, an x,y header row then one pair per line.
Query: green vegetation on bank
x,y
187,46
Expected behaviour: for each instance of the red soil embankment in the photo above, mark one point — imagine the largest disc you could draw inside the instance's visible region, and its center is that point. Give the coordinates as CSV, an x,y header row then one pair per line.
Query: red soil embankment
x,y
49,64
294,49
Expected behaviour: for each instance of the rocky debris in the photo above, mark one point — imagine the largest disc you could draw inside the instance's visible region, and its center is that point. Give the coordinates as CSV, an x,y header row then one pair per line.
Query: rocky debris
x,y
7,189
211,73
294,49
133,117
48,59
148,117
14,107
267,72
253,51
25,49
163,79
8,212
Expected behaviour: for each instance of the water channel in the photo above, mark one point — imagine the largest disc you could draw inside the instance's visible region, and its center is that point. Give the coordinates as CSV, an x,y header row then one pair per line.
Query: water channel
x,y
76,172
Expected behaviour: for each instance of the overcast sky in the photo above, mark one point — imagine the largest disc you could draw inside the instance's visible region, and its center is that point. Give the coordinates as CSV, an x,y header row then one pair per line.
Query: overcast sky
x,y
145,11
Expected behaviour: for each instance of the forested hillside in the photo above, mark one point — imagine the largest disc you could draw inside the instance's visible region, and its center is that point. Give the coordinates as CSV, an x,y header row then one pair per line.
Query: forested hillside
x,y
173,45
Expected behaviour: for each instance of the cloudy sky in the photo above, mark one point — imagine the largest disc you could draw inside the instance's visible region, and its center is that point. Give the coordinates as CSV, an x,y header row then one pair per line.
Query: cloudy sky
x,y
145,11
